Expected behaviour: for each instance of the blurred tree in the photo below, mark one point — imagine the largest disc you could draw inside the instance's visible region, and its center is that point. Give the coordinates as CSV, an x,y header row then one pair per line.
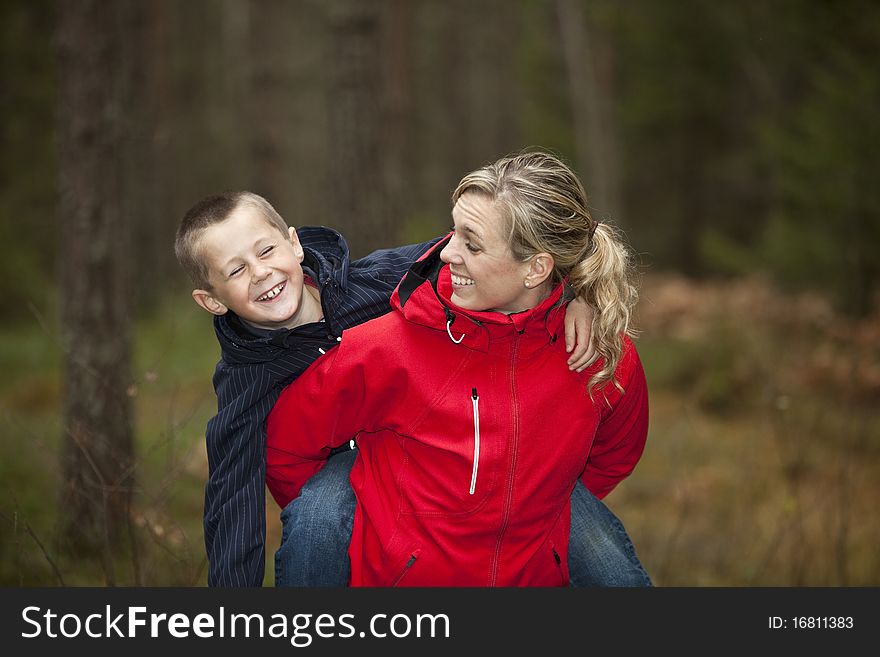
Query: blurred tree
x,y
441,131
27,159
147,197
468,98
591,95
354,191
267,58
824,231
95,59
677,74
397,125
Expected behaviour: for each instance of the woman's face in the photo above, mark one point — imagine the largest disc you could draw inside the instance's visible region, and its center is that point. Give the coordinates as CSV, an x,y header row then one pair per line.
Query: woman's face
x,y
485,275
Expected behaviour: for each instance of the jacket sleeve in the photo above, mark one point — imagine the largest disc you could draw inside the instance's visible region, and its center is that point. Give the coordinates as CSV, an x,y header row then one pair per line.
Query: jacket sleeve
x,y
622,431
328,405
392,264
235,502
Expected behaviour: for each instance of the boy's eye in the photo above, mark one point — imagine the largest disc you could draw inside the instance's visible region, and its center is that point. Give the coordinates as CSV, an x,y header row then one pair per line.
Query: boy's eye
x,y
235,271
267,250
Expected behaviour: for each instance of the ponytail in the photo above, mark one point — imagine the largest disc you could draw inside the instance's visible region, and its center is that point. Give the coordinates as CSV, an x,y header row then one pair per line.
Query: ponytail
x,y
604,279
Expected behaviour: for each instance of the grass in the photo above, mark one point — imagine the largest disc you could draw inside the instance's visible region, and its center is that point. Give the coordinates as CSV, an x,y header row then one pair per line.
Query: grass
x,y
761,468
173,360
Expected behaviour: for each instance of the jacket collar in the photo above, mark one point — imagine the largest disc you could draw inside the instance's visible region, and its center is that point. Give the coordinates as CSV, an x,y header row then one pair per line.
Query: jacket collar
x,y
327,256
423,297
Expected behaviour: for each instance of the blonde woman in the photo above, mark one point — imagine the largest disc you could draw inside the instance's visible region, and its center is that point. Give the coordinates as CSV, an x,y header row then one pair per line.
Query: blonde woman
x,y
473,433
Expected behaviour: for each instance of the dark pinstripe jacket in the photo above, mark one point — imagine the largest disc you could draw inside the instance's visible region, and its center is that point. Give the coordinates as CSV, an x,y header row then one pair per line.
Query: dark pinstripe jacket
x,y
254,367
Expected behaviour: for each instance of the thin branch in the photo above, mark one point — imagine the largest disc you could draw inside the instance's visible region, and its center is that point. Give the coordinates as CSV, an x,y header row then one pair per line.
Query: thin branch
x,y
36,539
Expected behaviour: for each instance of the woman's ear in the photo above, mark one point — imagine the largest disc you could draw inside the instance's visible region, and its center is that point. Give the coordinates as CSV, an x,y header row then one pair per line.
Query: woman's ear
x,y
209,302
540,267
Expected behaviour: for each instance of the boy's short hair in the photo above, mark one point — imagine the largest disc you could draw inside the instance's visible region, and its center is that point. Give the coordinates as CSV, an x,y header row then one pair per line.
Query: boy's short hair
x,y
207,212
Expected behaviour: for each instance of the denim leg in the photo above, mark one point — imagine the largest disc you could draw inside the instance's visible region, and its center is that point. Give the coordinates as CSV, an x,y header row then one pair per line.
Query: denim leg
x,y
316,529
600,552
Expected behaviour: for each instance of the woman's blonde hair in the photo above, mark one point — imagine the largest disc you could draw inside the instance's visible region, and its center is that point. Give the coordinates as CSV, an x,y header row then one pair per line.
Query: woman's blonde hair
x,y
545,206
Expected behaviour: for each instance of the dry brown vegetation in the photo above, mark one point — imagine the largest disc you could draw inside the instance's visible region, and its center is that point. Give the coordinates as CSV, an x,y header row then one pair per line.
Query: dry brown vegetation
x,y
763,457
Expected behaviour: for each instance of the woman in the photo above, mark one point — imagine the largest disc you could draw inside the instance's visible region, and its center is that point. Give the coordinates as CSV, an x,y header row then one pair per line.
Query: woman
x,y
472,431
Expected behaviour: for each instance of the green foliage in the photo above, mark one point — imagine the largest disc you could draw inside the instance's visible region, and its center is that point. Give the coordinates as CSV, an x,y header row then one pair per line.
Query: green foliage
x,y
827,232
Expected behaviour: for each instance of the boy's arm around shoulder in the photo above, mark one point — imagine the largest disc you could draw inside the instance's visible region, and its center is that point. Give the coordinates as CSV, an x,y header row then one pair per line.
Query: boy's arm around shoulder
x,y
391,264
623,428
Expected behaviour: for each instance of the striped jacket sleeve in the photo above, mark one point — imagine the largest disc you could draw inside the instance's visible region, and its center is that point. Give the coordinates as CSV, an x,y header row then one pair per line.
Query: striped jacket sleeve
x,y
235,504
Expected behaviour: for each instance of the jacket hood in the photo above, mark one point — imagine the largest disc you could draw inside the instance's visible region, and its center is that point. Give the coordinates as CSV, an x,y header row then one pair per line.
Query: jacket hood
x,y
326,261
424,297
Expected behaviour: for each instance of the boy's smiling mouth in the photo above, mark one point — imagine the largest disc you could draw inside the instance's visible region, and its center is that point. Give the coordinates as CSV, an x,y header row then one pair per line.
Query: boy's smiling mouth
x,y
274,292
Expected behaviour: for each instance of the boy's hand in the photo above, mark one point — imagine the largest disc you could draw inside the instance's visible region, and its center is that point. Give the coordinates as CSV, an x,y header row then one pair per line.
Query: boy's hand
x,y
578,320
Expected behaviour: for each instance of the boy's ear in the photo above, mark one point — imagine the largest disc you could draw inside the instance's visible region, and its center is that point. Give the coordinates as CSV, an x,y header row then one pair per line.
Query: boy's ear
x,y
540,267
209,302
294,240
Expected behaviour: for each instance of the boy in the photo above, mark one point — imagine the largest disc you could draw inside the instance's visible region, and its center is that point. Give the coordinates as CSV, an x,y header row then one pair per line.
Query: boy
x,y
280,299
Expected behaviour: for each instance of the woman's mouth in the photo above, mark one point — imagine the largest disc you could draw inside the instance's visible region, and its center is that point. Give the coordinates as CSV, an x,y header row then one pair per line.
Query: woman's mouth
x,y
461,281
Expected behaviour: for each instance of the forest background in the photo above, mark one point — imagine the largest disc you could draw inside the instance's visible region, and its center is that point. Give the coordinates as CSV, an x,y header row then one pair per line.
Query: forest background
x,y
735,143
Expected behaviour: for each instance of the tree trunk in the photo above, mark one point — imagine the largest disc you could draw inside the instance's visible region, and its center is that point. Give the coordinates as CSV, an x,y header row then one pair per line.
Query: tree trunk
x,y
268,107
94,79
396,110
147,205
355,189
590,95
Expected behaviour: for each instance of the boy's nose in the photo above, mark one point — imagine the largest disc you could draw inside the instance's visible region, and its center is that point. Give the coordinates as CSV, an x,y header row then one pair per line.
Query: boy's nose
x,y
260,272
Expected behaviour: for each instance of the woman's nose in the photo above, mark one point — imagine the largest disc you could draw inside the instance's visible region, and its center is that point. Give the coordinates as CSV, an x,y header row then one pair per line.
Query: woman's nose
x,y
450,252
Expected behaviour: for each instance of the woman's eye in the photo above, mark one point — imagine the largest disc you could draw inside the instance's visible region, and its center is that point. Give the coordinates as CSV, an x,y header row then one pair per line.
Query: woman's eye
x,y
472,248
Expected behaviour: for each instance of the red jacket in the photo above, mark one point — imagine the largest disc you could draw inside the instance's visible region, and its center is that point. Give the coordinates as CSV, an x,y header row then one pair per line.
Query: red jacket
x,y
469,451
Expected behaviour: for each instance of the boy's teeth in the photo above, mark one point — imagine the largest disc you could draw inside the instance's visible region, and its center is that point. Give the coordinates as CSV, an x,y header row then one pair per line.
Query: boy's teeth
x,y
271,294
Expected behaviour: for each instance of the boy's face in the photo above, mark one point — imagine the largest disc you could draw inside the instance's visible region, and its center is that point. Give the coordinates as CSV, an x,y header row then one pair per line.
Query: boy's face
x,y
255,272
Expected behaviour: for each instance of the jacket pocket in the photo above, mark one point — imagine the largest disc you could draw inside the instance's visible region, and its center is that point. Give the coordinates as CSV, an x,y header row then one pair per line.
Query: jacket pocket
x,y
449,469
410,562
475,400
560,568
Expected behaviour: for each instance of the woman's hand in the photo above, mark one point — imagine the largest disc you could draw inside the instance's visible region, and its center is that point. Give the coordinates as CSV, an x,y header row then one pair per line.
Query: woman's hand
x,y
578,320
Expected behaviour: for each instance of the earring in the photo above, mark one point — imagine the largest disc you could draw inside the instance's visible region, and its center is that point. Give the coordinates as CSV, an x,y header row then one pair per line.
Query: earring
x,y
528,284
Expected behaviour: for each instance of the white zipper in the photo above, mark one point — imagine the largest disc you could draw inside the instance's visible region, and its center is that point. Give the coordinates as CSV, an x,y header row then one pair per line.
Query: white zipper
x,y
475,400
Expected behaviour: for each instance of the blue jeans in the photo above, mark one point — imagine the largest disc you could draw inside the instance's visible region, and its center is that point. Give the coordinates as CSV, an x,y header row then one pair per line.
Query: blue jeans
x,y
600,552
316,531
316,528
